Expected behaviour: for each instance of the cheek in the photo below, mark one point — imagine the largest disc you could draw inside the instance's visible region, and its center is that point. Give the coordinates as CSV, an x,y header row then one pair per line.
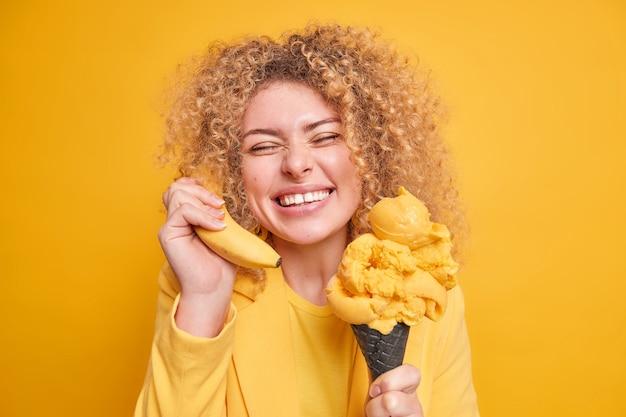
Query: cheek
x,y
350,170
256,182
250,175
349,175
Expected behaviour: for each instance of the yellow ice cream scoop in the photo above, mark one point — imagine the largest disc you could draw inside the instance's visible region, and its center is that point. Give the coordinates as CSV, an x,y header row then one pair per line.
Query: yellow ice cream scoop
x,y
405,219
379,283
397,274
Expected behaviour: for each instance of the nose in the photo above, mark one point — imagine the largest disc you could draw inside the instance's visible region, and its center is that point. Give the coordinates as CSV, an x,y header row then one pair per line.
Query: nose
x,y
297,161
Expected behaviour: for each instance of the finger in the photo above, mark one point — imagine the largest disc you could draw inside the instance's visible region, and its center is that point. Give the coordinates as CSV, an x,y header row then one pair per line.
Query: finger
x,y
395,404
189,214
200,185
405,378
191,190
186,205
181,193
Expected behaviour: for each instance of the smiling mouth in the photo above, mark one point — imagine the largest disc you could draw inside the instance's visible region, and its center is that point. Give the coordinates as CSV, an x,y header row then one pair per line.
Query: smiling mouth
x,y
300,199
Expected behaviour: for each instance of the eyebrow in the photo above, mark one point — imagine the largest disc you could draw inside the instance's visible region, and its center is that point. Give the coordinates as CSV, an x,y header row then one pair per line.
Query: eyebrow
x,y
312,126
307,128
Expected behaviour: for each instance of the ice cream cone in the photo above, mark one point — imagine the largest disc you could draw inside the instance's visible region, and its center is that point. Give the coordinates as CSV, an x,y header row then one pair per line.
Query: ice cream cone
x,y
382,352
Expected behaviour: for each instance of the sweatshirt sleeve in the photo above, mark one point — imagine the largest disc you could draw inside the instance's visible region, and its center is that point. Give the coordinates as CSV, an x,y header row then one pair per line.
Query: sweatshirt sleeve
x,y
186,374
453,388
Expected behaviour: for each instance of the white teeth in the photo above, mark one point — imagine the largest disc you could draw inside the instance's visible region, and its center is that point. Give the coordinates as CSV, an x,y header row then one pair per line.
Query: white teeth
x,y
310,197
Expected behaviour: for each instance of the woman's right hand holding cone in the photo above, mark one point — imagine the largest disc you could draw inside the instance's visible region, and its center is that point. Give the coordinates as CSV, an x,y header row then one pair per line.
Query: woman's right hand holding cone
x,y
393,394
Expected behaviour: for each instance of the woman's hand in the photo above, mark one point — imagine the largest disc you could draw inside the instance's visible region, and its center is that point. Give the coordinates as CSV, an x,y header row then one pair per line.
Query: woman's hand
x,y
393,394
206,279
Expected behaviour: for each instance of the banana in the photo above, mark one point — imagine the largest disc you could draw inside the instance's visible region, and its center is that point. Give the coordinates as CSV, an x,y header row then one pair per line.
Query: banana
x,y
239,246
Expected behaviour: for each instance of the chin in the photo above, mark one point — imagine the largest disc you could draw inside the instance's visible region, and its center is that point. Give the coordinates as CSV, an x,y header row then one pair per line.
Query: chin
x,y
313,237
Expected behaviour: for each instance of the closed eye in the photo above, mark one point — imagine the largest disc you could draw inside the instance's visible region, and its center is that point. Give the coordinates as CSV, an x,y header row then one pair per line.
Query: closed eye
x,y
326,139
264,148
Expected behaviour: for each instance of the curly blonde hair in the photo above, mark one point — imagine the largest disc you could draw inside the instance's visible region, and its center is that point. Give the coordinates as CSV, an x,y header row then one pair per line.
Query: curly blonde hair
x,y
390,114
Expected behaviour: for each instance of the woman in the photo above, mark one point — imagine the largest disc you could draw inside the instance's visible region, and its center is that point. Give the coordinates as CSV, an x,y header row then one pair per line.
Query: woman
x,y
304,135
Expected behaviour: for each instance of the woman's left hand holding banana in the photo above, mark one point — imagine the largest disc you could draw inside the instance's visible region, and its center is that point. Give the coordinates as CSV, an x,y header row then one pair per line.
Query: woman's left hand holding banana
x,y
206,279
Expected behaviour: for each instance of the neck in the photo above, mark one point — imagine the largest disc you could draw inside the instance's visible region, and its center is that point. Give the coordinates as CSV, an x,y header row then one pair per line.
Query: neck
x,y
308,268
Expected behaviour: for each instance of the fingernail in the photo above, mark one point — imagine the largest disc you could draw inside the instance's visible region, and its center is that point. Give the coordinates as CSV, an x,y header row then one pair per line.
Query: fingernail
x,y
219,223
374,391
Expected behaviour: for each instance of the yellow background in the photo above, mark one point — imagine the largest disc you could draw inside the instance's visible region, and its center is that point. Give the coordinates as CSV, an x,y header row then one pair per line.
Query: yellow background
x,y
536,91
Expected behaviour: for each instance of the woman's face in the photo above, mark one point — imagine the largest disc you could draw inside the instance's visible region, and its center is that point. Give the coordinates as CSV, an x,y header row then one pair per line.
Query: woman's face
x,y
299,180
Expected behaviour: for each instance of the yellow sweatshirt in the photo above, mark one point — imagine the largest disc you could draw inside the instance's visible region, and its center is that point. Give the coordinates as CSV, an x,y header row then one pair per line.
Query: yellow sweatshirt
x,y
257,365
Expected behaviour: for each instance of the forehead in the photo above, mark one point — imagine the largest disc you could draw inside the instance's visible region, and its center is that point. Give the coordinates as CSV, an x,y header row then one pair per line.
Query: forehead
x,y
283,101
277,91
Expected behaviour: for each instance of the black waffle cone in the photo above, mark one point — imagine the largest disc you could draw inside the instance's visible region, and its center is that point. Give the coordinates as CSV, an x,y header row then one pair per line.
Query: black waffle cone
x,y
382,352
